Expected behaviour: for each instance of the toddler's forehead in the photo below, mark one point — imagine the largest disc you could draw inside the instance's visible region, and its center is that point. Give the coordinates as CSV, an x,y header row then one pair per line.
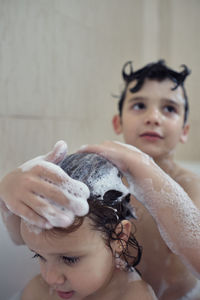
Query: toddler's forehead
x,y
57,240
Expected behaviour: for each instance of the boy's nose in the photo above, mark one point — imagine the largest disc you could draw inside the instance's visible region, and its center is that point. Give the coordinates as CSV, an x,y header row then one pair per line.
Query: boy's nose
x,y
53,275
153,117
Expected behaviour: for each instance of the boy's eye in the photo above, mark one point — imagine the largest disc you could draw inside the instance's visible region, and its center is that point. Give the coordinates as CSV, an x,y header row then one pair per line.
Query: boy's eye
x,y
70,260
170,109
138,106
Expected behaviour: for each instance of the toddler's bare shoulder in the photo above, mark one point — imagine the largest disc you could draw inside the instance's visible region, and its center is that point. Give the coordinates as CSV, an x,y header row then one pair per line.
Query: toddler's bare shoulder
x,y
36,289
140,290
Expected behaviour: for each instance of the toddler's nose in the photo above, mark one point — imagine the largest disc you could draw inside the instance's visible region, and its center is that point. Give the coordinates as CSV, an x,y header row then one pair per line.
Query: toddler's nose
x,y
53,276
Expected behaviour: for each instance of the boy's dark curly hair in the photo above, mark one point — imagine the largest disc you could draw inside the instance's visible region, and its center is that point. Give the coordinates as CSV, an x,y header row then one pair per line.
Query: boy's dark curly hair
x,y
154,71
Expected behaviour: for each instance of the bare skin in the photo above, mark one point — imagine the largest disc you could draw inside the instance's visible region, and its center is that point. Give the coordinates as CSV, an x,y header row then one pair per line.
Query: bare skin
x,y
70,263
170,275
37,289
21,190
152,120
154,109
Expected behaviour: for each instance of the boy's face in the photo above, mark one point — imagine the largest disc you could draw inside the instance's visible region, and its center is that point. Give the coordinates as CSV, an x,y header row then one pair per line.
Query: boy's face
x,y
153,118
75,264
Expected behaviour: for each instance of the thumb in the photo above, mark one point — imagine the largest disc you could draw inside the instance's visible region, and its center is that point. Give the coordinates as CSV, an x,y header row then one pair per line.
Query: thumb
x,y
57,153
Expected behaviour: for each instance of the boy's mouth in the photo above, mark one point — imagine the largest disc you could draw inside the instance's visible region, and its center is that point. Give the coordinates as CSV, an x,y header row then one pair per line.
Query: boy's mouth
x,y
65,295
151,135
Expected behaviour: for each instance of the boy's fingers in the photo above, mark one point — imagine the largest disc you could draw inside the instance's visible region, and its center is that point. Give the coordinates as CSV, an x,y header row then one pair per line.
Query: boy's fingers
x,y
107,149
56,203
58,153
113,151
44,169
49,191
51,213
48,172
33,218
26,213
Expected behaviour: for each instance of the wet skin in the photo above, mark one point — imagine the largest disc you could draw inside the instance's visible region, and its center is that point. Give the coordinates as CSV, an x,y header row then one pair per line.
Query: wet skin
x,y
153,121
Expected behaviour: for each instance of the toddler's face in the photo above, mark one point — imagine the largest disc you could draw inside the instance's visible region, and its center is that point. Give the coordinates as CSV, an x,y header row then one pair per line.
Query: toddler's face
x,y
75,264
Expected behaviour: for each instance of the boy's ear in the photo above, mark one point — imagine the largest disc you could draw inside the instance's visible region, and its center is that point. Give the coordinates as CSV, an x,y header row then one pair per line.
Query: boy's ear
x,y
123,231
116,121
184,135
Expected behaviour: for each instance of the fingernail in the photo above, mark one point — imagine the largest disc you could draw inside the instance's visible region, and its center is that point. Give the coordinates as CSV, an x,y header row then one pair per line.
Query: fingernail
x,y
83,147
48,226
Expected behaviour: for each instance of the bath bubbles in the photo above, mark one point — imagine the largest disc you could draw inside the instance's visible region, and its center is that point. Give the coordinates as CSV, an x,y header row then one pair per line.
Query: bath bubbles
x,y
96,172
75,191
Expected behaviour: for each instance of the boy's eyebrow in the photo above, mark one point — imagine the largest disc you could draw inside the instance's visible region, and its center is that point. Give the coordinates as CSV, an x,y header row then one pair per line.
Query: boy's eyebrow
x,y
172,101
137,98
141,98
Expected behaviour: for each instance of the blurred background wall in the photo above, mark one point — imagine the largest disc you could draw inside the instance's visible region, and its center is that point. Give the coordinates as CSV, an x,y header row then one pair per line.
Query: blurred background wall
x,y
60,63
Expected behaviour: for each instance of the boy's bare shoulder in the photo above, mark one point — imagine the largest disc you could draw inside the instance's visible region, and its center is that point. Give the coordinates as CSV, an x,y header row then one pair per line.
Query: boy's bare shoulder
x,y
140,290
190,182
36,289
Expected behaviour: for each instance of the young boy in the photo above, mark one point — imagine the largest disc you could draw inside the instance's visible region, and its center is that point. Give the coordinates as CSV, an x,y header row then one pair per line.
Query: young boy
x,y
153,118
153,111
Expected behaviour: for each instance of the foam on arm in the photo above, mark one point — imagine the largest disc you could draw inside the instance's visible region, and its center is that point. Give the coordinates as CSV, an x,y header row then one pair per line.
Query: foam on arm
x,y
177,217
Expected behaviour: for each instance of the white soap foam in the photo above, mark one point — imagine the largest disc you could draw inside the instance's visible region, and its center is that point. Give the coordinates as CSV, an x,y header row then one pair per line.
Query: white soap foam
x,y
6,213
33,228
62,149
39,161
194,294
105,183
163,287
133,275
172,197
75,191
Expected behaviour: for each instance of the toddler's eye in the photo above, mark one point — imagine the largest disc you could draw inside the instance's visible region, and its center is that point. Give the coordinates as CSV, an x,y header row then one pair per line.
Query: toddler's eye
x,y
70,260
36,255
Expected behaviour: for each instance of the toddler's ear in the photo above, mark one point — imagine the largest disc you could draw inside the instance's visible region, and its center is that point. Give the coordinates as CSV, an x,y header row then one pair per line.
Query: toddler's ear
x,y
116,122
123,231
184,135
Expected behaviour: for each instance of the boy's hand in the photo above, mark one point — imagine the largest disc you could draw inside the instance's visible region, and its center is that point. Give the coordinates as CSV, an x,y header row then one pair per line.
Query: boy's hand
x,y
119,154
39,191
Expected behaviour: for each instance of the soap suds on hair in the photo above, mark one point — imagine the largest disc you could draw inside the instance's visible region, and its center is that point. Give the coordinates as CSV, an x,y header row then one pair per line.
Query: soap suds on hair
x,y
108,180
75,191
96,172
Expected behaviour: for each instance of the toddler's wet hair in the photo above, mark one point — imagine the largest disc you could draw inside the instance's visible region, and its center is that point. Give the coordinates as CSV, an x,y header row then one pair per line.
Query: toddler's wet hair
x,y
109,201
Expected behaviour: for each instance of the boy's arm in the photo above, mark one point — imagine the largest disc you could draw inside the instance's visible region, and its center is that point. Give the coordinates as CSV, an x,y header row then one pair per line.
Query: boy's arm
x,y
18,195
41,193
176,215
12,223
